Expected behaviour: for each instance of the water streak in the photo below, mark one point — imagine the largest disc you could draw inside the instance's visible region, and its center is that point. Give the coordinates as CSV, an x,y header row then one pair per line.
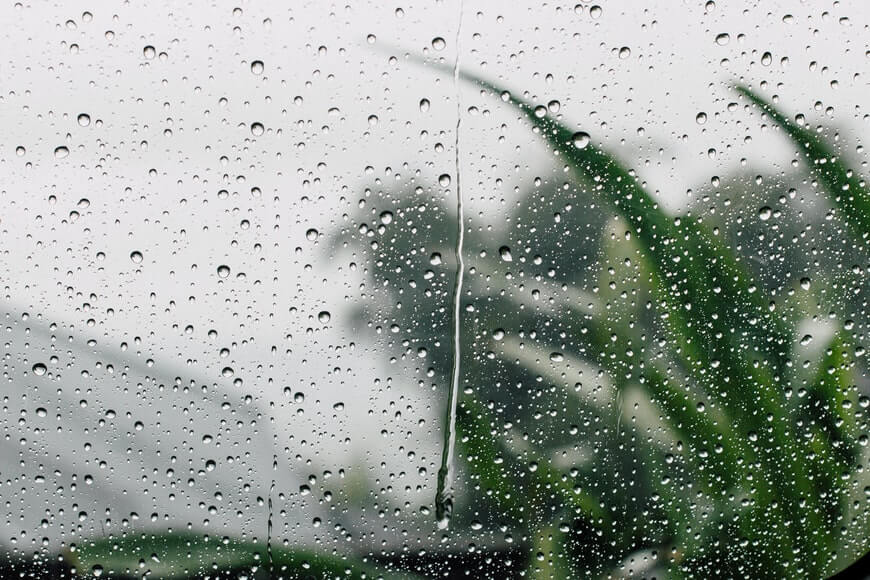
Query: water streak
x,y
444,494
269,522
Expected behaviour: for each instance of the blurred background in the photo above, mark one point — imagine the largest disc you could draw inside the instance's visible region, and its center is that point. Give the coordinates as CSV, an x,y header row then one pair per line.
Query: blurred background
x,y
228,261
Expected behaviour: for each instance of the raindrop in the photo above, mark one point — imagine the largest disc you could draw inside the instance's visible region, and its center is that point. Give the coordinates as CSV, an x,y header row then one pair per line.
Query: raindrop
x,y
84,119
444,180
386,217
61,152
624,52
257,129
765,212
149,52
223,271
257,67
424,105
311,234
136,257
505,253
766,59
723,39
438,43
581,139
39,369
324,317
701,118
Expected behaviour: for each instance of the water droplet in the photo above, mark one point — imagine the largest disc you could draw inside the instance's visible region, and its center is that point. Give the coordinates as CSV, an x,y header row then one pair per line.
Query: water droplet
x,y
20,151
257,129
311,234
149,52
41,412
136,257
805,283
223,271
540,111
723,39
324,317
701,118
424,105
84,119
39,369
557,357
444,180
624,52
595,12
373,120
581,139
61,152
435,259
498,334
765,212
386,217
766,59
438,43
257,67
505,253
554,106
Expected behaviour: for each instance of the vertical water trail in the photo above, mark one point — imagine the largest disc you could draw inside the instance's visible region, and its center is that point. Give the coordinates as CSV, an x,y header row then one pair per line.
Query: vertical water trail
x,y
444,494
269,522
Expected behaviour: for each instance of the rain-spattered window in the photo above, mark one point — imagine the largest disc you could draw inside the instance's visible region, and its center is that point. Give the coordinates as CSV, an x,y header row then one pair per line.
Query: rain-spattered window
x,y
434,289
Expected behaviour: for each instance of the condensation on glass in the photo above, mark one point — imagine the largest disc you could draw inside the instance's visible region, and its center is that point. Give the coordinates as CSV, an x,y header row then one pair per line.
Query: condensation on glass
x,y
434,289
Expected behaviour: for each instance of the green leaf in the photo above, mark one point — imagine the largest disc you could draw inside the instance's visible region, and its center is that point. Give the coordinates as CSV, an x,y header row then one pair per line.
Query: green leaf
x,y
848,190
184,554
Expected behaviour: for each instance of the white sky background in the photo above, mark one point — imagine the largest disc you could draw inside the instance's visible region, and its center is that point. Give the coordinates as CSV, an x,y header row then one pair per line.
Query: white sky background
x,y
310,163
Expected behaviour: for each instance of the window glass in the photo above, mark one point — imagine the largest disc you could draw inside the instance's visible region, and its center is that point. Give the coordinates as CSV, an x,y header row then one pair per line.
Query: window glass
x,y
434,289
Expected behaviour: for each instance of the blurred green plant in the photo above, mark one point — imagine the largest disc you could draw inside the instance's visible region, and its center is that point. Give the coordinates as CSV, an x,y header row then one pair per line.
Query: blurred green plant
x,y
189,554
739,455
